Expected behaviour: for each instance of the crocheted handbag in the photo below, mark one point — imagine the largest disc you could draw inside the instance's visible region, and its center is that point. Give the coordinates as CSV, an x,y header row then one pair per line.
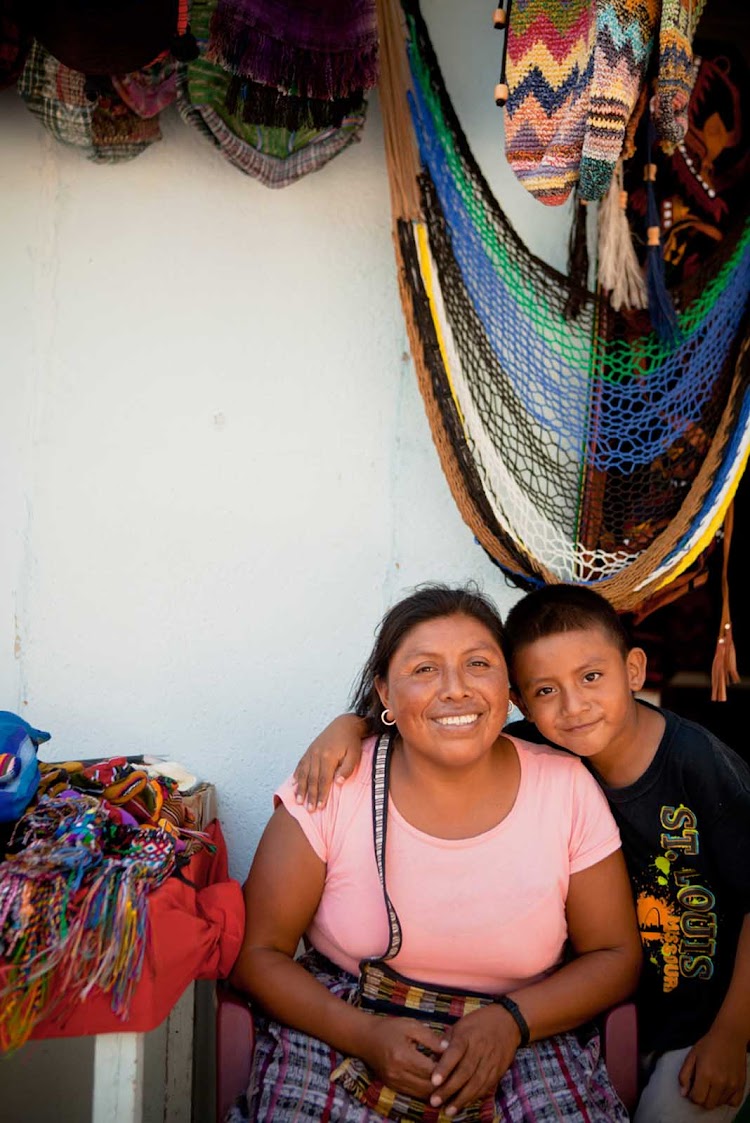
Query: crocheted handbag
x,y
383,991
549,71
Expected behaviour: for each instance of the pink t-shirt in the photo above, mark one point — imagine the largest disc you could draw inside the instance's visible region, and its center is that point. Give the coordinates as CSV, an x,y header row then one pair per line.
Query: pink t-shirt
x,y
484,913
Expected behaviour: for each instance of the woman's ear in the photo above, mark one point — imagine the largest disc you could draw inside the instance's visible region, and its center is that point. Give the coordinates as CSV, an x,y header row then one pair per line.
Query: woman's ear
x,y
636,663
382,689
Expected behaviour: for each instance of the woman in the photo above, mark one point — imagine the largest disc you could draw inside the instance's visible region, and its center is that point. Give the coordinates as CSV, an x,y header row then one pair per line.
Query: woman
x,y
504,869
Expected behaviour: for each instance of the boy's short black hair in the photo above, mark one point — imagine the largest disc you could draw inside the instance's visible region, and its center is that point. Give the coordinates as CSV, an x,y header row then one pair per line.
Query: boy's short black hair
x,y
561,608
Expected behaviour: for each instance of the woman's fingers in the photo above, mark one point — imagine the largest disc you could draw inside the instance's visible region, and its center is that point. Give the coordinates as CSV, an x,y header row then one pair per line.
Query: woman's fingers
x,y
481,1047
448,1061
449,1083
475,1088
402,1053
422,1035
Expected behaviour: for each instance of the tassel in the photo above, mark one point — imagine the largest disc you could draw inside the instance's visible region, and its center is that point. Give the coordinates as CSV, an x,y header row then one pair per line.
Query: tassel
x,y
724,667
619,271
663,316
184,45
500,23
578,261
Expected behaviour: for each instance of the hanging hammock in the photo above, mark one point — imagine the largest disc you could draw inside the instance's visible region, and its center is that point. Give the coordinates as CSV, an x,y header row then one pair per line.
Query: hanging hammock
x,y
576,449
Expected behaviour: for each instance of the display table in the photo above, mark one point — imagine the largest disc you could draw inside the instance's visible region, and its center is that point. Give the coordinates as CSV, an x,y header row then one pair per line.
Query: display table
x,y
196,924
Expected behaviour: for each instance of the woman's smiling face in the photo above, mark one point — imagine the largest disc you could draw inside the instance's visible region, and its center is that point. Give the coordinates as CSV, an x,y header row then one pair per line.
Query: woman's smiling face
x,y
447,688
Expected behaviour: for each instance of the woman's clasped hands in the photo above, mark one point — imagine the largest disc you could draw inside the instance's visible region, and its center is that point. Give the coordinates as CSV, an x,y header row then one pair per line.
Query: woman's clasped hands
x,y
403,1053
452,1070
481,1047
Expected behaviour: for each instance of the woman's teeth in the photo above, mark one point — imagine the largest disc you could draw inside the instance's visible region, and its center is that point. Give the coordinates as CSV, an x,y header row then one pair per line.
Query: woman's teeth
x,y
461,719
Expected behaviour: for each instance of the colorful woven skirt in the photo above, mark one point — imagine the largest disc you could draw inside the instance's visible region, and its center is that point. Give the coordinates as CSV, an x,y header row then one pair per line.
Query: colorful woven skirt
x,y
559,1080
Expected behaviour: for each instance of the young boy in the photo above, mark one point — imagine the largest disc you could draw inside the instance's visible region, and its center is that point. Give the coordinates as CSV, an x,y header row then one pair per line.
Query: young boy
x,y
682,802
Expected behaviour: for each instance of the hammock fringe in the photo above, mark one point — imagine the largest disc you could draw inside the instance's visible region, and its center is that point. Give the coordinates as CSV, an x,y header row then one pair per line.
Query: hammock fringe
x,y
724,667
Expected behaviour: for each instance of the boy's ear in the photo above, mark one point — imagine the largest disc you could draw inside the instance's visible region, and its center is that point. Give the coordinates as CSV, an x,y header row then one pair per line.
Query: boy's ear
x,y
636,663
517,700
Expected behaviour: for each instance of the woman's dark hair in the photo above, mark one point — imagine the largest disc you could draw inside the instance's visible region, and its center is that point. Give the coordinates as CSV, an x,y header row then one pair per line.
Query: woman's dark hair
x,y
428,602
561,608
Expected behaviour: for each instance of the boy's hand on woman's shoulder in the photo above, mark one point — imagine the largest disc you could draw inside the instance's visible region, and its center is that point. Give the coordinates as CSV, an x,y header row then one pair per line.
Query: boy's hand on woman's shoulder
x,y
715,1070
331,758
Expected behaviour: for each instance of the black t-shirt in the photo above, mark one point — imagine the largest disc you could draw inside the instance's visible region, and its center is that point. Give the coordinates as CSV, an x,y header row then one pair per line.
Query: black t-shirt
x,y
685,828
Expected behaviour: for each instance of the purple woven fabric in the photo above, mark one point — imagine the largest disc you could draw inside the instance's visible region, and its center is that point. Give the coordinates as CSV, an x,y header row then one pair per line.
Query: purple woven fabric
x,y
314,48
147,92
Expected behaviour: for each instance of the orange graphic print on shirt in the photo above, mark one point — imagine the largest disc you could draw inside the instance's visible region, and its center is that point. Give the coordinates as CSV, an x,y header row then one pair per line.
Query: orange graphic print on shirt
x,y
676,913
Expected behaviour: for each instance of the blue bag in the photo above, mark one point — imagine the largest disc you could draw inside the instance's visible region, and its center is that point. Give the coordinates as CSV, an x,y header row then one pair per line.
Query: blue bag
x,y
19,739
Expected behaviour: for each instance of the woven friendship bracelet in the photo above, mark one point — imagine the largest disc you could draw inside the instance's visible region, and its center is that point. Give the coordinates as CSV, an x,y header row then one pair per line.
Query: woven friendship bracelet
x,y
509,1005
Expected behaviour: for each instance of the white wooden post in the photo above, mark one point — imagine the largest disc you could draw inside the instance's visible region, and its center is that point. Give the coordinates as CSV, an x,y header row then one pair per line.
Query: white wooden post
x,y
118,1078
179,1066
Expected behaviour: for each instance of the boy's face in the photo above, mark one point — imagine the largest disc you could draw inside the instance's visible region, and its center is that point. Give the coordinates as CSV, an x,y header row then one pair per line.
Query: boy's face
x,y
577,687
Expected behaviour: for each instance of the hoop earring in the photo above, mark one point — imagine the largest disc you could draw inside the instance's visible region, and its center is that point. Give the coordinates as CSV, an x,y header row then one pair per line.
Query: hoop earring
x,y
385,720
510,708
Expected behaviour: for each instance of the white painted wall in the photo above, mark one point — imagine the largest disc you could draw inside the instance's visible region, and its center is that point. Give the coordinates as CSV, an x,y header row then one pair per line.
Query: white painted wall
x,y
215,468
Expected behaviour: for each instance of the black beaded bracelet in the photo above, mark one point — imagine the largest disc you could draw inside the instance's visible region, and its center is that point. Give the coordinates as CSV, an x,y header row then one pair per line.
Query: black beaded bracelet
x,y
509,1005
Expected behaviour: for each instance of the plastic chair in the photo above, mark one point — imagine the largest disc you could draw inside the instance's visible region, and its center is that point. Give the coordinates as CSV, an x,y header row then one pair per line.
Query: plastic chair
x,y
620,1048
235,1040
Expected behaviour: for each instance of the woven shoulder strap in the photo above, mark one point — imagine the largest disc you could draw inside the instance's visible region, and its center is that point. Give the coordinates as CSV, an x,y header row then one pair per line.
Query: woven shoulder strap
x,y
381,767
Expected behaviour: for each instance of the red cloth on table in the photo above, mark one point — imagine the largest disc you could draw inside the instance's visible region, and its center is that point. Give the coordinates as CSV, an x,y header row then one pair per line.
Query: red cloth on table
x,y
193,934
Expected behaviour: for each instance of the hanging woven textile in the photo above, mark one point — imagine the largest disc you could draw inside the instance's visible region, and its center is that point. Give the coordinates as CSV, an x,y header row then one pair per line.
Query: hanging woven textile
x,y
581,450
295,63
624,39
275,156
549,71
105,129
321,48
679,20
149,91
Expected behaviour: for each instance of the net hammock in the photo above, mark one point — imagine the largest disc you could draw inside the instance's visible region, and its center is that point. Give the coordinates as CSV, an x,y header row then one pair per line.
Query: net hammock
x,y
580,449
